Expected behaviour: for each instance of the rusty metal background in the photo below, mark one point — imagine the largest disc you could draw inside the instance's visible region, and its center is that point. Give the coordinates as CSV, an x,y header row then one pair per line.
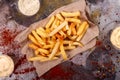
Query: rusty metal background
x,y
100,63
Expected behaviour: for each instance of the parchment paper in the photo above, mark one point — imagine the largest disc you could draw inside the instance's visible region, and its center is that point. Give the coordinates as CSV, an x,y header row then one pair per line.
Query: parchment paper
x,y
88,40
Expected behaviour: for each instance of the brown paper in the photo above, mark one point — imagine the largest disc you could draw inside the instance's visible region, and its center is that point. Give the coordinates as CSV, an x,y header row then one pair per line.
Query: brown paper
x,y
88,40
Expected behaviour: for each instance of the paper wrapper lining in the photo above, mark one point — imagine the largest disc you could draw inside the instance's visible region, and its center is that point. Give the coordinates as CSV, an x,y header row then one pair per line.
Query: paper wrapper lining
x,y
88,40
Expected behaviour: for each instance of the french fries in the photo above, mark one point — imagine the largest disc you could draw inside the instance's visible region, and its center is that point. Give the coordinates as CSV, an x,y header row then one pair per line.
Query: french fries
x,y
73,20
54,24
50,22
63,51
41,33
67,27
55,49
63,32
81,34
34,40
78,44
33,46
47,46
59,16
43,51
58,28
72,26
81,28
37,37
70,14
69,47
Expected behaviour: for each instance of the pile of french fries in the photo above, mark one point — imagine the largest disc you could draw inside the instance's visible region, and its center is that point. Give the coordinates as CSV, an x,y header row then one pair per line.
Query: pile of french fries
x,y
62,32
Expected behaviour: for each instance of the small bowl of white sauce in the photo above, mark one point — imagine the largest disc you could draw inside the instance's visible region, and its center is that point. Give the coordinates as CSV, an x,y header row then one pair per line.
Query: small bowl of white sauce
x,y
28,7
6,65
115,38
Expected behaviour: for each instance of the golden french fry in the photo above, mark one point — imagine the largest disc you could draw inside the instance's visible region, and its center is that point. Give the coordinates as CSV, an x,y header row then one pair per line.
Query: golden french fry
x,y
76,17
67,27
79,37
34,40
33,46
41,33
62,34
77,26
83,33
59,36
59,16
43,50
70,44
41,29
58,54
54,24
82,27
64,55
64,29
47,46
67,42
69,31
42,54
36,52
57,23
70,14
54,50
58,28
61,22
44,40
37,37
72,26
53,38
51,50
55,57
78,44
73,20
54,27
48,39
69,47
51,42
50,22
72,37
47,31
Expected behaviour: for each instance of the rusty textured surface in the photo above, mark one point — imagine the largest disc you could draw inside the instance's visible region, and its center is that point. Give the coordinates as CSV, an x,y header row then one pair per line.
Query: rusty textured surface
x,y
101,64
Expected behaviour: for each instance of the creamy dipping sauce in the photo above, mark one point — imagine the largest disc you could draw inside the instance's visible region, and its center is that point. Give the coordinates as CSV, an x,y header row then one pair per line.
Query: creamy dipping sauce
x,y
28,7
115,37
6,65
